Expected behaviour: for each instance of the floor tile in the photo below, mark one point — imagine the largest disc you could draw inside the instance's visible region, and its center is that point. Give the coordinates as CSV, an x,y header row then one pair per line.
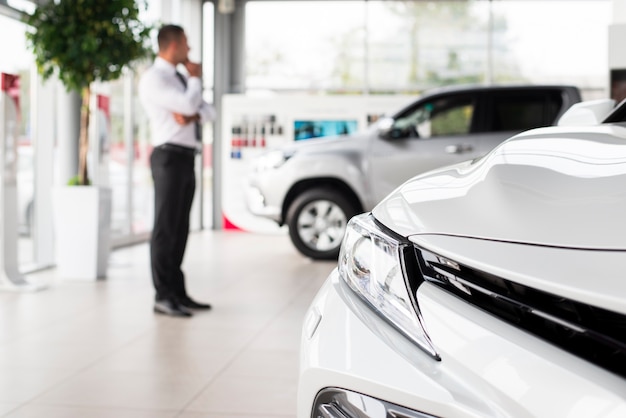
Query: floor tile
x,y
218,415
36,411
277,338
125,390
195,338
25,355
263,396
144,356
265,364
22,385
92,341
5,408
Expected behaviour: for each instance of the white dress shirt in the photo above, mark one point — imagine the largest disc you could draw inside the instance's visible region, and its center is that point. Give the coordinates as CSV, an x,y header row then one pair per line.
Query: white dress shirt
x,y
162,93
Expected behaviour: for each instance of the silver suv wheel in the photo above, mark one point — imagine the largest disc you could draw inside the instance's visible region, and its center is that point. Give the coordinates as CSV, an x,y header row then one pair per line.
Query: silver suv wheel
x,y
317,221
321,224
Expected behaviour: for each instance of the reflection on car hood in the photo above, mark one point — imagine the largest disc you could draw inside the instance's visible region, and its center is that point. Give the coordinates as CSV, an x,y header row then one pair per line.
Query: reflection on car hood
x,y
553,186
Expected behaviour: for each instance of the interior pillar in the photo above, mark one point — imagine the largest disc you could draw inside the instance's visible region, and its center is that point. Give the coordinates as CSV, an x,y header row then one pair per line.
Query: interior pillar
x,y
229,77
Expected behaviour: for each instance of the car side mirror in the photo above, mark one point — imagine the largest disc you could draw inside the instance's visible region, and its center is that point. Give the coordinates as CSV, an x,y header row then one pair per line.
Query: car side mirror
x,y
384,126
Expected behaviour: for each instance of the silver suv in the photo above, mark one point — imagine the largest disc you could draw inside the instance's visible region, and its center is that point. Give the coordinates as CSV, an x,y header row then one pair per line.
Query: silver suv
x,y
316,186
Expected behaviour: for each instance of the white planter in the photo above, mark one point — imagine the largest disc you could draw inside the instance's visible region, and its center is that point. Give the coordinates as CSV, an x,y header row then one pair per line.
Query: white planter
x,y
82,221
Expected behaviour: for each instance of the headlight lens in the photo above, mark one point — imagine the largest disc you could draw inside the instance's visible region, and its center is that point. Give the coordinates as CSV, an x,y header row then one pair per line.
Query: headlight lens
x,y
270,160
371,263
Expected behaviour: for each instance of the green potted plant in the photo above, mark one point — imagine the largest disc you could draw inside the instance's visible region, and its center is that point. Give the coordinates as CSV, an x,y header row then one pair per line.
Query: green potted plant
x,y
82,42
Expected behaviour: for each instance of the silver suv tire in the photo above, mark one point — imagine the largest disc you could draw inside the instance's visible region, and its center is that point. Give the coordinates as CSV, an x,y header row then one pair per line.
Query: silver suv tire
x,y
317,221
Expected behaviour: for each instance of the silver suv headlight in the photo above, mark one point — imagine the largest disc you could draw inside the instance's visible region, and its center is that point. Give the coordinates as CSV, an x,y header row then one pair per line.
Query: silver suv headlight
x,y
270,160
371,262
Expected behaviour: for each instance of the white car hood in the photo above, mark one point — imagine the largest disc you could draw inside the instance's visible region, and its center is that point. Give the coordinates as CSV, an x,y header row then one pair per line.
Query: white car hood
x,y
528,190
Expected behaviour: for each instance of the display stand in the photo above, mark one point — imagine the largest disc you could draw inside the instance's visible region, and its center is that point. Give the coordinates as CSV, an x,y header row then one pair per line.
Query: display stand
x,y
10,277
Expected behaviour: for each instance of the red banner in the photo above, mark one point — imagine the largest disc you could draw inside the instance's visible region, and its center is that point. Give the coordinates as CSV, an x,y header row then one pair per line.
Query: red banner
x,y
104,105
10,84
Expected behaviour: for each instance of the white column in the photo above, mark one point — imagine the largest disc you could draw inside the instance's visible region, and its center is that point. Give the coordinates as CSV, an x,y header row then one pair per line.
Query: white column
x,y
190,15
229,77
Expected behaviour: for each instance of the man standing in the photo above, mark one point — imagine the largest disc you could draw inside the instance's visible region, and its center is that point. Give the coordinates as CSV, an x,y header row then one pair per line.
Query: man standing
x,y
176,110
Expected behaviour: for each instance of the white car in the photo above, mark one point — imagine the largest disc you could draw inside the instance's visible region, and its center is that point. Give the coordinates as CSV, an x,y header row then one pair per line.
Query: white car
x,y
315,186
491,288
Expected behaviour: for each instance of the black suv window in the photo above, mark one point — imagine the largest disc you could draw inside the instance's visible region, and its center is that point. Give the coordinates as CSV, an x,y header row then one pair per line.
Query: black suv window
x,y
438,117
524,110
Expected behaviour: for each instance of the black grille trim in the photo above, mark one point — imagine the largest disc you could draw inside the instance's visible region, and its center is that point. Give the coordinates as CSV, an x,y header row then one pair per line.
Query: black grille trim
x,y
594,334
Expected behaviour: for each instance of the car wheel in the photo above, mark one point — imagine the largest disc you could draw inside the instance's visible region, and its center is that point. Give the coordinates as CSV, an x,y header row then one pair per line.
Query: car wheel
x,y
317,221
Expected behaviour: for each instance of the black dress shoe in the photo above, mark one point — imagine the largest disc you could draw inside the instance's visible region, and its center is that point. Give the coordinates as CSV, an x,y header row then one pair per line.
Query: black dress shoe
x,y
192,304
171,307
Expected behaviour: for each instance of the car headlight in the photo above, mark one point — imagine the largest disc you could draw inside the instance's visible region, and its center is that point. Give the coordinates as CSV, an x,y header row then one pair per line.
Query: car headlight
x,y
371,262
270,160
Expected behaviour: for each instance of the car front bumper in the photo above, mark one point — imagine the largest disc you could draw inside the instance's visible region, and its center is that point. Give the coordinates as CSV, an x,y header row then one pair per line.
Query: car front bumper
x,y
257,204
487,367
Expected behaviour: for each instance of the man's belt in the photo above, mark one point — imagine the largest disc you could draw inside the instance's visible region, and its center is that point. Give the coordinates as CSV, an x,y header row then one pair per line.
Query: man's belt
x,y
178,149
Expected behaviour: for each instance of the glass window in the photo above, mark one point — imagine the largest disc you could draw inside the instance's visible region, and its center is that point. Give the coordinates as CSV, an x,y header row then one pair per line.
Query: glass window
x,y
16,59
118,161
142,199
535,42
525,111
413,45
128,172
323,51
389,46
26,6
440,117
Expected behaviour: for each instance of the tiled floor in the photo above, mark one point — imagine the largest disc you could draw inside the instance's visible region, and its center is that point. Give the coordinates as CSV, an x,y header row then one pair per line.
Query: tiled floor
x,y
96,349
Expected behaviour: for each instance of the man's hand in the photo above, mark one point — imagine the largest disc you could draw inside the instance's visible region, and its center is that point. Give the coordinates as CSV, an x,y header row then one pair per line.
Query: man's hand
x,y
193,68
184,120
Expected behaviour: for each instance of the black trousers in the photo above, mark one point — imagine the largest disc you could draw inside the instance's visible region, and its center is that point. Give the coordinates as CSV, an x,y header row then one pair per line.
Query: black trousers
x,y
174,186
